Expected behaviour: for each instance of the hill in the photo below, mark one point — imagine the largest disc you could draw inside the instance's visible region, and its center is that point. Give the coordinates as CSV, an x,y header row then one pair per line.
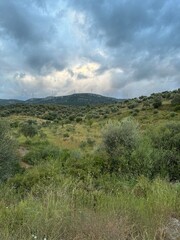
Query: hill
x,y
5,102
79,99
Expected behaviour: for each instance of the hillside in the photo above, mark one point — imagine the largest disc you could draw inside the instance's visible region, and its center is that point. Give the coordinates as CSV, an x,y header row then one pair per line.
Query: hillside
x,y
79,99
108,171
4,102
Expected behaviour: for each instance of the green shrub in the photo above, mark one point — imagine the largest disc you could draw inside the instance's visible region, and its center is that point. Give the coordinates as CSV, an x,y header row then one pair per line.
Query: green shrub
x,y
166,142
176,99
172,114
66,135
72,118
119,140
29,128
157,102
14,124
132,105
41,154
177,108
79,119
8,158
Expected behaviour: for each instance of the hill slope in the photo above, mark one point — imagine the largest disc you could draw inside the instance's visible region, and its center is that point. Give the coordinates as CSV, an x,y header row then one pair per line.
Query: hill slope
x,y
79,99
9,101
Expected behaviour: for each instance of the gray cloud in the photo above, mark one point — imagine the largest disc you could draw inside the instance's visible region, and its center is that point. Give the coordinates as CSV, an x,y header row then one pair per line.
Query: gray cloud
x,y
39,38
142,38
34,33
128,21
24,24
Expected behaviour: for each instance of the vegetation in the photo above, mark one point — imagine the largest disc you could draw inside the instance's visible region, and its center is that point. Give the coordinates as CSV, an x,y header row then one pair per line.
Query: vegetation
x,y
108,171
8,157
29,128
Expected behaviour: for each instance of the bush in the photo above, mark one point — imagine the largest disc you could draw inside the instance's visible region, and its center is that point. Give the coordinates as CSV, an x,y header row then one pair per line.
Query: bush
x,y
176,100
119,140
29,129
8,158
172,114
72,118
157,102
153,154
166,144
66,135
132,105
42,154
78,119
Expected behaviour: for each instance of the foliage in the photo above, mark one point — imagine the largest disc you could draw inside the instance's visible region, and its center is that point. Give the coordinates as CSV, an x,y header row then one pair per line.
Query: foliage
x,y
78,119
166,143
42,154
157,102
119,140
176,99
76,210
8,158
110,186
29,128
156,153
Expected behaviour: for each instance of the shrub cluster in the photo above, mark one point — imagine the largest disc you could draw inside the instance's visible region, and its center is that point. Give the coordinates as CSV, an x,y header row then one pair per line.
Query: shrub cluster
x,y
154,153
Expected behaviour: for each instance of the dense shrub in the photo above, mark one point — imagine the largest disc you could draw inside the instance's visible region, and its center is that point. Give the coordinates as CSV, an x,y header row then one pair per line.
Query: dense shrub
x,y
166,143
79,119
157,102
155,153
176,99
42,154
8,157
119,140
132,105
66,135
72,117
29,128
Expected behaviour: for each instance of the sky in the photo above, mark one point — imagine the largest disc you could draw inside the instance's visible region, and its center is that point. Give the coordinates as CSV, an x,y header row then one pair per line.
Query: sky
x,y
118,48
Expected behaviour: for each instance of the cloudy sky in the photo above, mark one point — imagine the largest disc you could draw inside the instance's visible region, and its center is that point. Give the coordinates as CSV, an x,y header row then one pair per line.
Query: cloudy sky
x,y
120,48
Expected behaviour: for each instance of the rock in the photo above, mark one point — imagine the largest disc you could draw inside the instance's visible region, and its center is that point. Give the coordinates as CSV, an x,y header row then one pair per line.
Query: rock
x,y
172,230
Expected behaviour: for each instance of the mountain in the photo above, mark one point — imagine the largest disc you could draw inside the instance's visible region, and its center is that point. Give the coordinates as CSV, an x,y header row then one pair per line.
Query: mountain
x,y
9,101
79,99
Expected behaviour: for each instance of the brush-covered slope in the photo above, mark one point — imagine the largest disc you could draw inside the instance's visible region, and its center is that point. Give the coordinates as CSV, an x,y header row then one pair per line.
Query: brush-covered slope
x,y
74,99
80,99
9,101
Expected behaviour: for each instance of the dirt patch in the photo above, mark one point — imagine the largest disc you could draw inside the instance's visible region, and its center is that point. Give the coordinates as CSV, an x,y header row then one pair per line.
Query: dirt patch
x,y
22,151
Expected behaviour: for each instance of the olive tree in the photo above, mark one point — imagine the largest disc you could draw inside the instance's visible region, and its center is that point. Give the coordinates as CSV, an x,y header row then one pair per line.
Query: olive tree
x,y
119,140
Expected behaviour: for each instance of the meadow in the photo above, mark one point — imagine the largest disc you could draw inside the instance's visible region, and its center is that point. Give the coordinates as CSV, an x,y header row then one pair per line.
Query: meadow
x,y
92,172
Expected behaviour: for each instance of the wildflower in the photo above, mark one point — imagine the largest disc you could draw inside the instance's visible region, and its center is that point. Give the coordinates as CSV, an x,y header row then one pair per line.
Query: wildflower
x,y
34,236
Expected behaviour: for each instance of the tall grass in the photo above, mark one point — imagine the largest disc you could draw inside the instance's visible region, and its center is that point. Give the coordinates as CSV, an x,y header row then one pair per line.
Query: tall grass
x,y
71,211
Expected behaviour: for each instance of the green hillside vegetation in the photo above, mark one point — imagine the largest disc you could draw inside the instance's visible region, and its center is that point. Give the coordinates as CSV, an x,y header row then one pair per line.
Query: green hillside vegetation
x,y
78,99
91,172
